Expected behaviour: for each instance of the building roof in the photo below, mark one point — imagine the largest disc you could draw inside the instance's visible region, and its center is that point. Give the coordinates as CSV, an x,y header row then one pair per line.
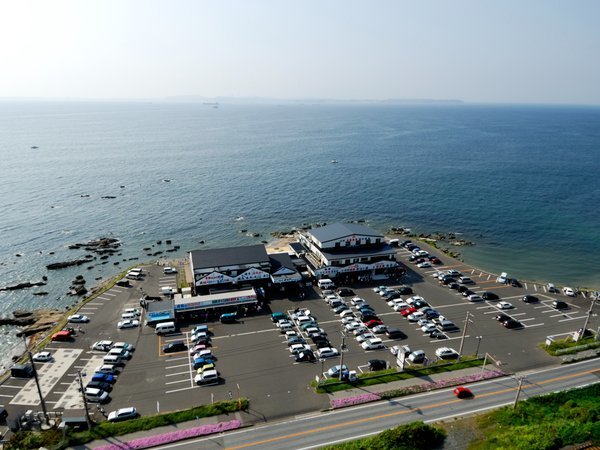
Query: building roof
x,y
229,256
338,230
279,260
383,250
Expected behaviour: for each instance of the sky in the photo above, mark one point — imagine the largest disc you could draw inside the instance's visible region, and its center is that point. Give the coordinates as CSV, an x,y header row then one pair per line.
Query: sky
x,y
534,51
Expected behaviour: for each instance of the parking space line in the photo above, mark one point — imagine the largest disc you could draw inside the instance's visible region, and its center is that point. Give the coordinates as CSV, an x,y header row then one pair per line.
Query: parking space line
x,y
178,365
87,307
175,382
525,320
454,304
179,390
110,294
103,298
175,374
4,395
519,314
9,386
534,325
572,318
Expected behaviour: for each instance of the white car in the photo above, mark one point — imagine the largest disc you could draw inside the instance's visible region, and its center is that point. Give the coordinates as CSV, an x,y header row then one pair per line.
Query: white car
x,y
352,326
95,395
414,298
360,330
197,348
424,265
416,316
122,414
453,273
372,344
298,348
130,323
569,292
208,377
379,288
78,318
423,321
382,292
475,298
134,311
42,357
400,349
394,301
446,353
327,352
401,306
365,337
349,319
505,305
428,328
102,346
357,300
169,270
124,345
379,329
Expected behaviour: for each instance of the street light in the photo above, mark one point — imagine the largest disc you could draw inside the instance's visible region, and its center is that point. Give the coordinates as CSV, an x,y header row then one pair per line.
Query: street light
x,y
479,338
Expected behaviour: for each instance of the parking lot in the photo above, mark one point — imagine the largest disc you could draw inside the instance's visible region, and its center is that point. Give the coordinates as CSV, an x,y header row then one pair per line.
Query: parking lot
x,y
253,357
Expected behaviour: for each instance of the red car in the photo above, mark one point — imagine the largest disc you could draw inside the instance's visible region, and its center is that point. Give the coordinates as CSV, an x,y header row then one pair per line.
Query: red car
x,y
373,322
463,392
407,311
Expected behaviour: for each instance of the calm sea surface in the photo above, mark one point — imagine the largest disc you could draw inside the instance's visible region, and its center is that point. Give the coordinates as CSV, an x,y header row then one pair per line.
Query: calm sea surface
x,y
521,181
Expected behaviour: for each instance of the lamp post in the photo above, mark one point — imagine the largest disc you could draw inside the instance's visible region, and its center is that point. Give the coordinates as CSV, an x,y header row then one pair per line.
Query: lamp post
x,y
520,380
478,344
342,357
37,381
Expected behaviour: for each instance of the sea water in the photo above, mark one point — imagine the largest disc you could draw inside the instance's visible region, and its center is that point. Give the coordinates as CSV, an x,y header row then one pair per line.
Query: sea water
x,y
520,181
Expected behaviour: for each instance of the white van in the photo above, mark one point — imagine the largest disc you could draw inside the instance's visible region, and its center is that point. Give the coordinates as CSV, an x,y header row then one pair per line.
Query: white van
x,y
165,327
285,327
325,283
128,316
114,360
168,291
134,311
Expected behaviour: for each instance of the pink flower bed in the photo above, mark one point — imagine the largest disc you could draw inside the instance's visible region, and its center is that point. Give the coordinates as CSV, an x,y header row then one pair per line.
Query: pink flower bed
x,y
414,389
173,436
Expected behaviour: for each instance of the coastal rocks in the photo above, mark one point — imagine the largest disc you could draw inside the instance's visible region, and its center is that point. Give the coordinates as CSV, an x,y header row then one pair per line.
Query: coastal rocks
x,y
34,321
25,285
41,293
108,196
63,264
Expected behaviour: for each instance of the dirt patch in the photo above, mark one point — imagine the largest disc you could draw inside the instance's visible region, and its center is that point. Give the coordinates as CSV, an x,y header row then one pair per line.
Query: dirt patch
x,y
461,433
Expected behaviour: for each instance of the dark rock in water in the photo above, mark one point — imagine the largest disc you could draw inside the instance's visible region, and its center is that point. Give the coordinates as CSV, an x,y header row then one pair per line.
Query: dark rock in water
x,y
168,242
176,247
78,281
264,242
116,263
44,278
98,278
157,253
84,195
18,255
201,242
122,187
25,285
33,147
170,250
51,253
133,259
89,267
104,257
104,262
40,293
158,242
108,196
147,248
148,254
79,277
243,230
22,313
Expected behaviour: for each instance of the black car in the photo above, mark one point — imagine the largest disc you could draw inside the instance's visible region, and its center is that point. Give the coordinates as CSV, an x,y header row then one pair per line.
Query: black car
x,y
345,292
323,344
307,356
377,364
512,323
453,285
436,334
468,292
530,299
487,295
123,283
462,288
515,283
502,318
175,346
392,295
367,316
395,333
405,290
99,385
559,304
420,304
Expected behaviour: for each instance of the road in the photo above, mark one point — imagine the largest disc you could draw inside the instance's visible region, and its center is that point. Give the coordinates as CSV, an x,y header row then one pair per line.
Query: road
x,y
321,429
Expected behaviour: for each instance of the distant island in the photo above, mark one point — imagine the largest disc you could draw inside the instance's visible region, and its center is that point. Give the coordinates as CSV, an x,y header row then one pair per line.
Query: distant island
x,y
309,101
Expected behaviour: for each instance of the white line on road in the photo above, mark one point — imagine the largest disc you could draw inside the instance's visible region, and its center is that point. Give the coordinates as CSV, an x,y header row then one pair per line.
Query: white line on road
x,y
572,318
534,325
178,381
110,294
179,390
9,386
454,304
179,365
178,373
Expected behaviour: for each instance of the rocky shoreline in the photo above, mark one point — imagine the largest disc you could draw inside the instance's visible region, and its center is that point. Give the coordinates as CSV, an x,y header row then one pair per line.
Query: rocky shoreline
x,y
33,322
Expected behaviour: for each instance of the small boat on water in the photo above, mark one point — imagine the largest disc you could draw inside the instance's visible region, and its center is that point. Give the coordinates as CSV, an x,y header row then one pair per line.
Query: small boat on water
x,y
334,161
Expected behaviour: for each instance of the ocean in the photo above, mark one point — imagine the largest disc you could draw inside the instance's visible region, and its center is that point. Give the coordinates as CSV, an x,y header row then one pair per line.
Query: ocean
x,y
520,181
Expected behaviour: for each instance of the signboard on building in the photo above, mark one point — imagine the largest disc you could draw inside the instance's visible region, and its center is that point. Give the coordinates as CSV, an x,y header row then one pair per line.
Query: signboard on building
x,y
252,274
213,278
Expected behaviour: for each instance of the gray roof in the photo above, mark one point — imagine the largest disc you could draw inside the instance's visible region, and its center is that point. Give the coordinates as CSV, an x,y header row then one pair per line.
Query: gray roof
x,y
230,256
384,250
279,260
341,230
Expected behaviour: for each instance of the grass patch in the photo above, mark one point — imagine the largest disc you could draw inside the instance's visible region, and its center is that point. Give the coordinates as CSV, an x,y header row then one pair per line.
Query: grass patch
x,y
412,436
390,375
547,422
102,430
568,346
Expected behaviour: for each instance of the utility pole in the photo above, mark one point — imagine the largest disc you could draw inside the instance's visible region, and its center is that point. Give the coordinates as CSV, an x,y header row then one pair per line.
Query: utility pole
x,y
85,404
587,319
520,379
479,338
462,339
37,381
342,357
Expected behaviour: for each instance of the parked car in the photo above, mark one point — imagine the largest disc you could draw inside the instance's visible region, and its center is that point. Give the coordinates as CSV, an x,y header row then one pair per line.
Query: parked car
x,y
405,290
428,328
103,386
558,304
415,316
395,333
475,298
424,265
123,414
307,356
124,345
78,318
42,356
169,270
103,377
175,346
295,340
512,323
298,348
129,323
530,299
372,344
345,292
95,395
416,357
379,329
102,346
406,312
373,323
327,352
335,370
487,295
446,353
569,292
377,364
207,378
